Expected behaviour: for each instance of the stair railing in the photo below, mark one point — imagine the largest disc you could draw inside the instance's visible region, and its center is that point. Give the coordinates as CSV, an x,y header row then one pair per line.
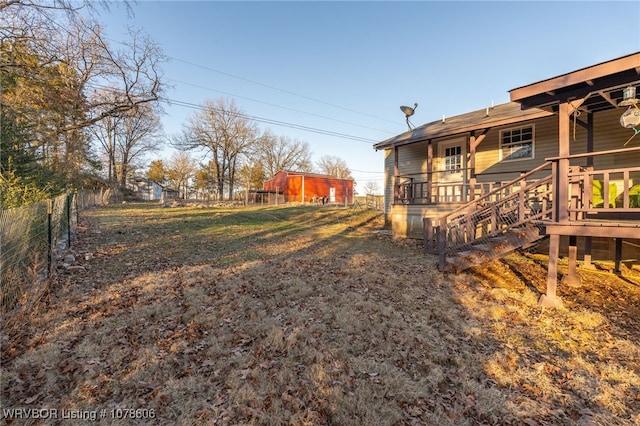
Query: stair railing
x,y
515,204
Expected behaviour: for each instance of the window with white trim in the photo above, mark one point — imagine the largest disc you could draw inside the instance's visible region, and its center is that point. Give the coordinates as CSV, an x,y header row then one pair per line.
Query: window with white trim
x,y
453,159
517,144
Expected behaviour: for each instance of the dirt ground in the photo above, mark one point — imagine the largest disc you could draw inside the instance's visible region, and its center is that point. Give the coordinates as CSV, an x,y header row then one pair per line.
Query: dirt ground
x,y
313,316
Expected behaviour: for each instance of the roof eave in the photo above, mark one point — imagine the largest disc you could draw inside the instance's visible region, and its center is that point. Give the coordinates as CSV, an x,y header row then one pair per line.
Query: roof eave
x,y
406,139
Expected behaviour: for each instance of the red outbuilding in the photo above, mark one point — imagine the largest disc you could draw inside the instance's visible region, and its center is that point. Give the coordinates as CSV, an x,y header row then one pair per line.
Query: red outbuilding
x,y
311,187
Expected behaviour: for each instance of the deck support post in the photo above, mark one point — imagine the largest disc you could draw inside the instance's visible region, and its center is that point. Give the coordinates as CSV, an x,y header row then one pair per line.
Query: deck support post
x,y
572,279
427,234
550,300
586,264
441,238
618,260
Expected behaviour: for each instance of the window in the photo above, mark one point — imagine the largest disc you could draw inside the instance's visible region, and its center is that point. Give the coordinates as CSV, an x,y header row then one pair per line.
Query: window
x,y
516,144
453,159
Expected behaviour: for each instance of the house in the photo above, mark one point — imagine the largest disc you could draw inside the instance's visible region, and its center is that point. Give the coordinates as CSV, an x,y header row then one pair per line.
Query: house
x,y
439,166
556,161
310,187
149,190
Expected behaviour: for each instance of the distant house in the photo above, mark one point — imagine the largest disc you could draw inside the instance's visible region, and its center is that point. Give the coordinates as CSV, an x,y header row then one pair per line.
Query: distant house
x,y
310,187
149,190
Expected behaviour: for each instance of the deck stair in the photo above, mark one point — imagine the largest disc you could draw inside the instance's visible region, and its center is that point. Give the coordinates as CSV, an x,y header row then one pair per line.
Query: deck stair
x,y
506,219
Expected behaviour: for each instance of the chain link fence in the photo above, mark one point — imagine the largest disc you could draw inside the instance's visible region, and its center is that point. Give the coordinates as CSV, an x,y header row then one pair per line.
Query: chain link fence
x,y
30,237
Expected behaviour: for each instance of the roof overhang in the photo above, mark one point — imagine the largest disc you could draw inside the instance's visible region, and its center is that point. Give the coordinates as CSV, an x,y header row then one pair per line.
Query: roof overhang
x,y
480,120
598,87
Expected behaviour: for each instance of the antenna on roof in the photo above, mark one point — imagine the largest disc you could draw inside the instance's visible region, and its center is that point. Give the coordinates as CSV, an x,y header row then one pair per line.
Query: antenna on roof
x,y
408,112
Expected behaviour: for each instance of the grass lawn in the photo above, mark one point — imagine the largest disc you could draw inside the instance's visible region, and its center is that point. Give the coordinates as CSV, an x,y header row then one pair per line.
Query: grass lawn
x,y
308,315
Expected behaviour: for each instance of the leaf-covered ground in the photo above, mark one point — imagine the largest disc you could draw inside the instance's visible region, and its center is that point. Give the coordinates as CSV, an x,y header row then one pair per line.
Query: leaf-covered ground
x,y
300,315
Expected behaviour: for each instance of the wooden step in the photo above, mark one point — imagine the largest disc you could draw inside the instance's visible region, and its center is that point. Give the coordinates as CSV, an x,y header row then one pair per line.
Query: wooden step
x,y
495,247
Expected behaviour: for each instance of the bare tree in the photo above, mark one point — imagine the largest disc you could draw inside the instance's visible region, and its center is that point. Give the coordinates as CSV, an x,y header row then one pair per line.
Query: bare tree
x,y
334,166
226,133
141,134
62,61
44,7
277,153
371,188
181,168
105,134
125,138
56,35
132,74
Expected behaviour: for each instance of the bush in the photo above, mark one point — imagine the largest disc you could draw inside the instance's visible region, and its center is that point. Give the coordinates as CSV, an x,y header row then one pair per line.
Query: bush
x,y
15,192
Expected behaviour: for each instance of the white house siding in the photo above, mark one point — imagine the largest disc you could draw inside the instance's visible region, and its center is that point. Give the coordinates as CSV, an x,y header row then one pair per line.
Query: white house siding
x,y
412,161
389,160
146,189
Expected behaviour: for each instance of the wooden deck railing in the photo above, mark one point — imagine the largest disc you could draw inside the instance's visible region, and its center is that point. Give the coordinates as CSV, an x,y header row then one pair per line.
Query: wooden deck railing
x,y
596,191
409,191
593,194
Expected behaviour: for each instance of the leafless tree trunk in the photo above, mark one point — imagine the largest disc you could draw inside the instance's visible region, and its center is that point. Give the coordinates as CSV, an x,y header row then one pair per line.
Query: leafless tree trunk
x,y
334,166
277,153
226,133
181,169
62,59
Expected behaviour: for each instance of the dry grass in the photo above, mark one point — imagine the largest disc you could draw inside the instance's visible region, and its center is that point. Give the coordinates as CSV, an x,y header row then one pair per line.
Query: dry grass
x,y
304,316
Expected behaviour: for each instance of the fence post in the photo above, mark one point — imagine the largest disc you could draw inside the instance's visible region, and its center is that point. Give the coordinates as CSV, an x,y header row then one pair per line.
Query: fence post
x,y
69,218
75,197
427,234
50,235
441,237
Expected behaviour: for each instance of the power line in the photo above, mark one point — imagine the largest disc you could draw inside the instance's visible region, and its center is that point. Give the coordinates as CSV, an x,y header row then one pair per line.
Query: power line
x,y
274,88
252,117
278,89
366,171
275,122
279,106
284,124
270,121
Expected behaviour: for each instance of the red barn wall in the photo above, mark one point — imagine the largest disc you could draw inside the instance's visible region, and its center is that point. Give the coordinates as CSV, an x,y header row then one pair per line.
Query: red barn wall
x,y
279,182
291,185
294,188
319,186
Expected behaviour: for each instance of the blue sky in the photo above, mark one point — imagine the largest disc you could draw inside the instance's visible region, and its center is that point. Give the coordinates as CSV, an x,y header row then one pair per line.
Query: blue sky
x,y
346,67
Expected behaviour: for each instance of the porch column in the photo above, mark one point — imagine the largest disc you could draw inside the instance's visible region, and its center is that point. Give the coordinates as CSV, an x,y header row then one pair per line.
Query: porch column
x,y
472,167
560,204
429,170
561,186
396,179
588,183
474,142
